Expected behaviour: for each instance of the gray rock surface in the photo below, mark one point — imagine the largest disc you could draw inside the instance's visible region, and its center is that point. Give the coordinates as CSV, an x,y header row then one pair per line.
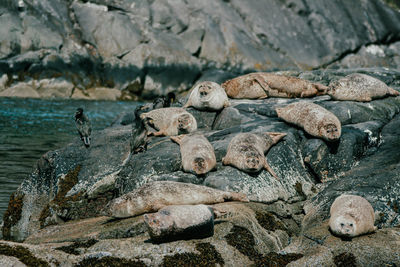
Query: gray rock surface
x,y
59,204
149,48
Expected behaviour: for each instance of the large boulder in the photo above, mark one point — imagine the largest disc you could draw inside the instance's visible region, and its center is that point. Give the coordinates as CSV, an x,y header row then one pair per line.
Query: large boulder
x,y
149,48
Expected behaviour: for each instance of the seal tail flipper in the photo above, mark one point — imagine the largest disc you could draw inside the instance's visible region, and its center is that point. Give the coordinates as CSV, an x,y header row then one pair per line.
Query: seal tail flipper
x,y
279,111
276,136
226,104
86,140
270,170
178,138
393,92
188,104
322,89
225,161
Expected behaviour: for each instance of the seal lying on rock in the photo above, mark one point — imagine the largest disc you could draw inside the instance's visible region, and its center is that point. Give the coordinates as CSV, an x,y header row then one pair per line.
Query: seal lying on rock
x,y
155,195
208,96
261,85
314,119
169,121
359,87
351,216
180,222
197,154
246,151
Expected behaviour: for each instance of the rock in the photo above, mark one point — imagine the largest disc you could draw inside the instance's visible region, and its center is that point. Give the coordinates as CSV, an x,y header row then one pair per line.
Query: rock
x,y
20,90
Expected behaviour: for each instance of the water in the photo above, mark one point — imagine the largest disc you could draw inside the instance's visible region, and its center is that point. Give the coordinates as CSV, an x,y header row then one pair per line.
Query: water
x,y
31,127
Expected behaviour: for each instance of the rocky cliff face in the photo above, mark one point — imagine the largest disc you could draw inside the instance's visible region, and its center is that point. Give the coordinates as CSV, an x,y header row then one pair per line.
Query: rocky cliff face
x,y
143,48
61,203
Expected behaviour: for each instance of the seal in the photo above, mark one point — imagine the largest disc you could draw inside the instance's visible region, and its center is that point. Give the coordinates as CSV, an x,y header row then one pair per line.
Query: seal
x,y
260,85
208,96
197,153
314,119
359,87
179,222
246,151
169,121
155,195
351,216
139,137
83,126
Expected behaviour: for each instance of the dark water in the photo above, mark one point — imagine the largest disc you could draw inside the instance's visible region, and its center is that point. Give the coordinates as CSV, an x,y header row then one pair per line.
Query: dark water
x,y
31,127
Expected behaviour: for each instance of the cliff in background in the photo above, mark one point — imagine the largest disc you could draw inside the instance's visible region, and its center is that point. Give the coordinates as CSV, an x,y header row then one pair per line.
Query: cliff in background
x,y
114,49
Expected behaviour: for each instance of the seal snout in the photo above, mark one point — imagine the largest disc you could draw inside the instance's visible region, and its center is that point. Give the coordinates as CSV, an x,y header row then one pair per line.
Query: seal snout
x,y
253,163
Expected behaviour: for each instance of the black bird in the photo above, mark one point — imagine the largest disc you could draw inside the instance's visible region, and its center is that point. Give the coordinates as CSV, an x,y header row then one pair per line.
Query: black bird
x,y
164,101
83,125
139,131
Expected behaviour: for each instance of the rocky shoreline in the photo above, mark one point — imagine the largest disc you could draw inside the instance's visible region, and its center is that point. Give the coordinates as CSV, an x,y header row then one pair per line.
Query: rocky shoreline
x,y
57,212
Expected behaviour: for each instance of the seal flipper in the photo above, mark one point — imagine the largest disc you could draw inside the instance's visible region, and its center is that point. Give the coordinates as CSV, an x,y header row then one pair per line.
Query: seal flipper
x,y
322,89
178,139
276,136
270,170
393,92
278,111
188,104
227,104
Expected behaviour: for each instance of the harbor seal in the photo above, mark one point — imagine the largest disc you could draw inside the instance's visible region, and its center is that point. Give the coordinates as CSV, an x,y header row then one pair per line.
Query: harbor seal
x,y
314,119
169,121
351,216
139,137
207,96
155,195
83,126
246,151
197,154
179,222
359,87
260,85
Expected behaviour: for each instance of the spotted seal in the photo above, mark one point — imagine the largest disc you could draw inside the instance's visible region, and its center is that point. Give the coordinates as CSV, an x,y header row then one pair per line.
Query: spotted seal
x,y
207,96
197,154
359,87
351,216
155,195
260,85
246,151
180,222
314,119
169,121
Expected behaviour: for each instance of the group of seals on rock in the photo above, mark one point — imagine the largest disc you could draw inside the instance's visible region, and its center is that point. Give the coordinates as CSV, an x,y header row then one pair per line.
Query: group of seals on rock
x,y
351,216
179,205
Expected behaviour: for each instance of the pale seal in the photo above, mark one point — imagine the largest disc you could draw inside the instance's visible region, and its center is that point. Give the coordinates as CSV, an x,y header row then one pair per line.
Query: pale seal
x,y
351,216
180,222
260,85
314,119
197,154
359,87
246,151
169,121
207,96
155,195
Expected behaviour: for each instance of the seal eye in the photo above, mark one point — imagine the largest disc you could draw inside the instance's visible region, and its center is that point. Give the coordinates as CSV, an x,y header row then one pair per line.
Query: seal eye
x,y
342,224
351,225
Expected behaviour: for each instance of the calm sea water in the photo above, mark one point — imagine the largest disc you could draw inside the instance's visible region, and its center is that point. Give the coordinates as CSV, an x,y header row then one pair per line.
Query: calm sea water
x,y
31,127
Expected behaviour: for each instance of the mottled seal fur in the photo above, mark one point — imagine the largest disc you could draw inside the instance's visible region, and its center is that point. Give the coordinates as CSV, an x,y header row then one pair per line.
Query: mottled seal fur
x,y
207,96
351,216
359,87
197,154
314,119
169,121
246,151
180,222
260,85
155,195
